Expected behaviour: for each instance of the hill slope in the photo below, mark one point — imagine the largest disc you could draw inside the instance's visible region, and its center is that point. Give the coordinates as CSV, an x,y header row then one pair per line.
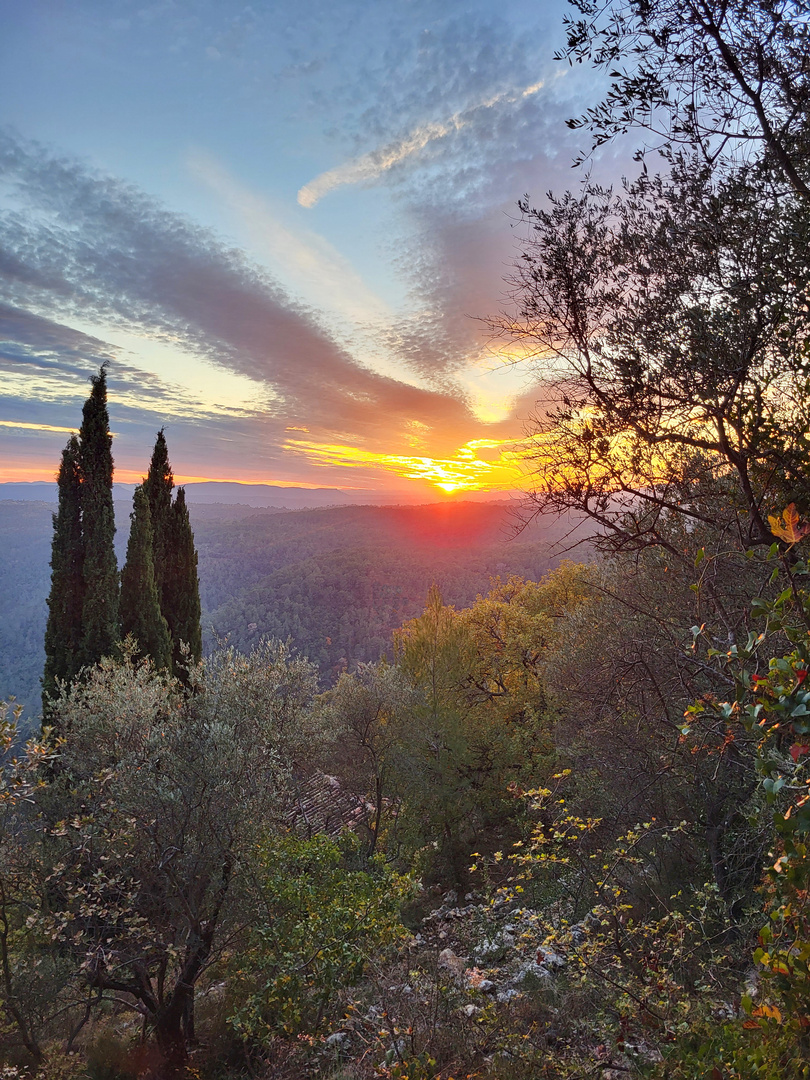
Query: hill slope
x,y
336,580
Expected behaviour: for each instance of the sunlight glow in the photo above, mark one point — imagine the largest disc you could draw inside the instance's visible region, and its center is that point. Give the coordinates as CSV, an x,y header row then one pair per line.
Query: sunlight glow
x,y
469,470
20,426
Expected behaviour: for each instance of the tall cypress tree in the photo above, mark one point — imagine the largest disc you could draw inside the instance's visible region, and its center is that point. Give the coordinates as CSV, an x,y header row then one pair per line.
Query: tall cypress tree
x,y
140,606
175,558
158,487
64,629
182,588
100,571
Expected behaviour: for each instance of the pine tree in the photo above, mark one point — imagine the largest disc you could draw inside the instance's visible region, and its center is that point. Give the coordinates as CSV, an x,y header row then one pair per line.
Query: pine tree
x,y
181,587
64,629
140,605
99,622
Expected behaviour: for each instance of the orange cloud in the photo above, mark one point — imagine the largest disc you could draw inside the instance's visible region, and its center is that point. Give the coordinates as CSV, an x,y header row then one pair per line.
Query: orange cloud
x,y
500,470
19,425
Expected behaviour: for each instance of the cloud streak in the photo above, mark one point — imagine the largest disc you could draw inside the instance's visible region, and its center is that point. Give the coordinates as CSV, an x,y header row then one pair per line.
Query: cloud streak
x,y
91,251
372,166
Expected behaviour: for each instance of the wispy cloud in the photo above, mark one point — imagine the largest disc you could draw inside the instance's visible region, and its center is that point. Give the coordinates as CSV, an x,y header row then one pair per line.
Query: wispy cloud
x,y
18,425
371,166
321,274
89,250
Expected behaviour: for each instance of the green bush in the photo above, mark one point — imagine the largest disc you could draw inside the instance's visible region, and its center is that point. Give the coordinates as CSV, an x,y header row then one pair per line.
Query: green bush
x,y
317,919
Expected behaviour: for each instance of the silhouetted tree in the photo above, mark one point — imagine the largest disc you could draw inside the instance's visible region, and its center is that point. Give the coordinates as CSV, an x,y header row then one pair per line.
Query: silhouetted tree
x,y
181,589
175,558
158,488
64,629
100,571
140,607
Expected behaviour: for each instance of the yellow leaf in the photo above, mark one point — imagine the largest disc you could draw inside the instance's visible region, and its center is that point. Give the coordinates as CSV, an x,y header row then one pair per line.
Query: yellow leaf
x,y
787,526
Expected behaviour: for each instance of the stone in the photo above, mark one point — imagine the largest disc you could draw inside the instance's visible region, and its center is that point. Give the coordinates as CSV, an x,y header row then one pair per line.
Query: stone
x,y
449,960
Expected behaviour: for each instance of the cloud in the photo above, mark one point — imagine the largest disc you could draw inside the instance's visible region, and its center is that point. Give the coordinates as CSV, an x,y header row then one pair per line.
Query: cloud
x,y
310,261
371,166
85,249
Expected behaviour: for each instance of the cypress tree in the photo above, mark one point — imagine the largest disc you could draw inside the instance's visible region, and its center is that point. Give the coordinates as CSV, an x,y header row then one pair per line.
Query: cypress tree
x,y
175,558
64,629
140,606
99,620
158,487
182,588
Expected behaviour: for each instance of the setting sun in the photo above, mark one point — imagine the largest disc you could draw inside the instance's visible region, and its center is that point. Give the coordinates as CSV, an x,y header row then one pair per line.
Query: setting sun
x,y
466,471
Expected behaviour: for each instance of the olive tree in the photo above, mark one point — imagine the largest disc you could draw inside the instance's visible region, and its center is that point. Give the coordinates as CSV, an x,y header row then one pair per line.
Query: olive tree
x,y
668,325
726,77
160,793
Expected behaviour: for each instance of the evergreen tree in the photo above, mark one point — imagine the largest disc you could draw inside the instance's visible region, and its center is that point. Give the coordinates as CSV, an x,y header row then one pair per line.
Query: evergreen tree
x,y
158,488
181,587
64,629
99,622
140,606
175,558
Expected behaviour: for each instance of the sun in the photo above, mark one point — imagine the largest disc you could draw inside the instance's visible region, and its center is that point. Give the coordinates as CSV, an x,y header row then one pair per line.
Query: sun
x,y
501,469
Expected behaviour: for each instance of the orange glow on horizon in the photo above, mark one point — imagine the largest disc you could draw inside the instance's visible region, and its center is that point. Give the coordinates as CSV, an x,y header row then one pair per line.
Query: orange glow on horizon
x,y
480,465
467,471
36,473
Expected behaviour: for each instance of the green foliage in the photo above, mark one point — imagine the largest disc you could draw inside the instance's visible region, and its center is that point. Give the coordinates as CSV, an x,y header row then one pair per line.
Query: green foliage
x,y
158,798
31,978
64,629
99,625
175,561
371,570
340,607
367,711
319,914
181,589
773,705
440,742
139,606
158,486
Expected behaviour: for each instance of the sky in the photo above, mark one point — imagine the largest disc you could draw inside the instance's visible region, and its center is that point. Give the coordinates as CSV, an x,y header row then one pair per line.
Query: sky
x,y
282,225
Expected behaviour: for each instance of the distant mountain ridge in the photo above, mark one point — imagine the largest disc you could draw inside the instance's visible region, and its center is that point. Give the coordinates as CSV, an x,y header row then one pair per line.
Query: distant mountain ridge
x,y
229,493
336,580
206,491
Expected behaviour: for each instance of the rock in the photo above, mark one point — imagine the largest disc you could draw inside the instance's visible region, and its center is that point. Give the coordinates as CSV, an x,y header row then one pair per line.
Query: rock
x,y
487,986
549,959
640,1048
471,1011
450,898
508,995
530,970
337,1040
449,960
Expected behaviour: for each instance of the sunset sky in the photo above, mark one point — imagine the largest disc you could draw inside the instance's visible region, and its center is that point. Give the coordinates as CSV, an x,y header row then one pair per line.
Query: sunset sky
x,y
281,223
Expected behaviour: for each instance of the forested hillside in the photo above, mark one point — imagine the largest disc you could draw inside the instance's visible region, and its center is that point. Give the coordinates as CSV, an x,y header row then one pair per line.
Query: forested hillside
x,y
550,825
350,574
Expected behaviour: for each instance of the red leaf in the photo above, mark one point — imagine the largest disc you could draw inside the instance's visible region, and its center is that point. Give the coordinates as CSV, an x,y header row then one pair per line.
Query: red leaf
x,y
801,675
798,749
